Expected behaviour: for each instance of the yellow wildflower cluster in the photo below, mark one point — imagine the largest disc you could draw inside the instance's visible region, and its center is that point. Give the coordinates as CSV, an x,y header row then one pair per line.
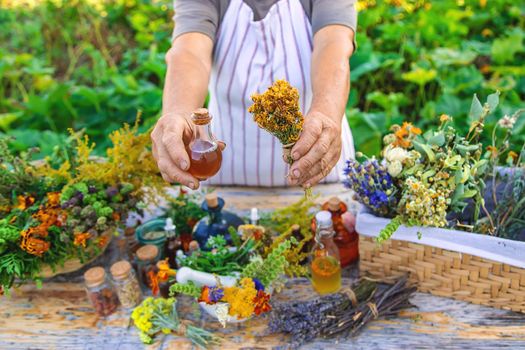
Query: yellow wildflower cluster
x,y
277,111
424,204
241,299
147,317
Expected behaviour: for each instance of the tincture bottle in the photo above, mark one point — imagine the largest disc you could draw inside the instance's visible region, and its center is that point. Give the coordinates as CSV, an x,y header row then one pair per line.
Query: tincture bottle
x,y
204,151
347,241
147,257
254,216
324,258
172,243
164,274
216,222
100,292
126,284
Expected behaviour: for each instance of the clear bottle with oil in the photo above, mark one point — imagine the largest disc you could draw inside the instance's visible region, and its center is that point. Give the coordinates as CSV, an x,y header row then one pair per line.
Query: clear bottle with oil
x,y
325,265
205,154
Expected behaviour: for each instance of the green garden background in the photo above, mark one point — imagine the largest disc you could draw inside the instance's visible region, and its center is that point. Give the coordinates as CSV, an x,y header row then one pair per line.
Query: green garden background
x,y
92,64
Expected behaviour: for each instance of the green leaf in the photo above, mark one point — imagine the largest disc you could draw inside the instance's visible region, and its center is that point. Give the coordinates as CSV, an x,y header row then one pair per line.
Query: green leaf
x,y
438,139
424,149
504,50
493,101
7,118
420,76
476,109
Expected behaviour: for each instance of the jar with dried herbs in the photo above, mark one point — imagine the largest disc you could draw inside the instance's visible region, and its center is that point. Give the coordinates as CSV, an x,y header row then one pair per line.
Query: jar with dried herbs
x,y
147,257
100,292
126,284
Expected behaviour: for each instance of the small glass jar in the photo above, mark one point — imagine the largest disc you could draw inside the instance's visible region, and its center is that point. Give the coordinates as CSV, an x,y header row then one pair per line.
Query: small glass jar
x,y
100,292
164,273
147,257
324,258
126,284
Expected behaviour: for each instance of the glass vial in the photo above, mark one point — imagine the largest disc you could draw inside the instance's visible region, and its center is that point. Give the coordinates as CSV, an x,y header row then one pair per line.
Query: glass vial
x,y
324,258
147,257
205,154
100,292
347,241
126,284
172,244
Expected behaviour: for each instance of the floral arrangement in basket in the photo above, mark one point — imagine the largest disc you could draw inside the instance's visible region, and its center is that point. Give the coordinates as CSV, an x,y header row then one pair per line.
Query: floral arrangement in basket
x,y
423,177
68,206
251,294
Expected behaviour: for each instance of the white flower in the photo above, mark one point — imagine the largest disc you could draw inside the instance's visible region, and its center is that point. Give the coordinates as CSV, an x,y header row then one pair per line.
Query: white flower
x,y
507,122
393,154
221,311
395,168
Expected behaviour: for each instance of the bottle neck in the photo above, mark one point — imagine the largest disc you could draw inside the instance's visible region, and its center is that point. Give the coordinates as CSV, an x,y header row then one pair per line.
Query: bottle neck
x,y
324,233
203,132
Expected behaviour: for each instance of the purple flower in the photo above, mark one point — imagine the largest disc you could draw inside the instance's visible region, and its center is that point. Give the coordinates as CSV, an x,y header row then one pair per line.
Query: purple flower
x,y
215,294
258,284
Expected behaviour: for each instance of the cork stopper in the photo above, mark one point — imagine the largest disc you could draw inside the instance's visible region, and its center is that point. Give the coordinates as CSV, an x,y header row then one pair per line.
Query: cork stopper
x,y
334,204
147,252
201,116
120,269
212,200
95,276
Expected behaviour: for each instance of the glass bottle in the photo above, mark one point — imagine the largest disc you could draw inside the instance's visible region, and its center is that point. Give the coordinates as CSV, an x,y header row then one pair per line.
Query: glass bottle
x,y
172,244
126,284
147,257
216,222
100,292
324,258
164,274
205,154
347,241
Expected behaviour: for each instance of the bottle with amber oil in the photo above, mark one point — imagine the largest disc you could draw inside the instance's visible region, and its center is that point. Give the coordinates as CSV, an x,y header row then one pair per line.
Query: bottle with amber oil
x,y
324,258
205,154
347,241
172,244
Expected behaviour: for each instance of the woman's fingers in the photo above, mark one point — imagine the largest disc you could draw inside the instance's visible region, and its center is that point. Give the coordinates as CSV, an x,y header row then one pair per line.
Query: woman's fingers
x,y
312,129
322,149
319,170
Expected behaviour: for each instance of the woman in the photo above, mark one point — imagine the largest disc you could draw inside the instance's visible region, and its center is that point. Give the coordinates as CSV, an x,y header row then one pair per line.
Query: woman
x,y
234,48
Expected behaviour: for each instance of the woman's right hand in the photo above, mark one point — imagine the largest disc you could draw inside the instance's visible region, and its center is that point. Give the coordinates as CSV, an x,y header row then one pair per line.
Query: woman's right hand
x,y
169,137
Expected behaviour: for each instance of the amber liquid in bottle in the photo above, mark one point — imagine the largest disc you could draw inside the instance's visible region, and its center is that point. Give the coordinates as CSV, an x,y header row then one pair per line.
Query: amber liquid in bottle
x,y
205,154
324,258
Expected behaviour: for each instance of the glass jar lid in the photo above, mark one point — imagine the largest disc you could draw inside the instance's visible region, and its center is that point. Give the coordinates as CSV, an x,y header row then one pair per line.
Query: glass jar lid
x,y
95,276
147,252
120,269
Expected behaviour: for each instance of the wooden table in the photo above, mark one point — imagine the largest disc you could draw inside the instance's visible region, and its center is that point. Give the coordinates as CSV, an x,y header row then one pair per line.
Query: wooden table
x,y
58,316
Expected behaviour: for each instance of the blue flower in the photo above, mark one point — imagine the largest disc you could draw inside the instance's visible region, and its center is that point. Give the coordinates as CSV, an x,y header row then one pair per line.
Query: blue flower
x,y
258,284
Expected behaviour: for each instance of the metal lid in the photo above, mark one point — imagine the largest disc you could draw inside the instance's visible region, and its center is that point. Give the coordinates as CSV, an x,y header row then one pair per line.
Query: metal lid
x,y
334,204
120,269
323,219
95,276
212,200
147,252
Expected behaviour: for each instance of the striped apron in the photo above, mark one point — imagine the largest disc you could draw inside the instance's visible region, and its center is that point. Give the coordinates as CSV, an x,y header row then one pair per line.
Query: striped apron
x,y
248,57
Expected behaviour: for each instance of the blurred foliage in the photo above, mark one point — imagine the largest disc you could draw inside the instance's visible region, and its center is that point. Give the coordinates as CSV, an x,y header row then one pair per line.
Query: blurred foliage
x,y
419,59
93,63
80,64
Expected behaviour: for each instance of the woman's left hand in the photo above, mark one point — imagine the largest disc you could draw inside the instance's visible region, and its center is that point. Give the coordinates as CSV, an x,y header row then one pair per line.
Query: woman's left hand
x,y
317,150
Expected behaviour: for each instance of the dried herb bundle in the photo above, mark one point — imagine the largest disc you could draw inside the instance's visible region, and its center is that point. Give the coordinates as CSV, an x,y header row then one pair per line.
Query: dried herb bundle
x,y
340,314
303,319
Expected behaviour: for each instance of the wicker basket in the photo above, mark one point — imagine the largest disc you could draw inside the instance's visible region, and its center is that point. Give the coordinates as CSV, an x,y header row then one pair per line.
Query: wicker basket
x,y
74,264
476,268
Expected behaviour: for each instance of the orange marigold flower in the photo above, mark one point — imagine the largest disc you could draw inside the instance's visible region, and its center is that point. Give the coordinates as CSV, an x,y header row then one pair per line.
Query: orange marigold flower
x,y
81,239
513,155
404,134
444,118
153,282
25,202
101,241
262,303
115,216
493,151
53,199
32,245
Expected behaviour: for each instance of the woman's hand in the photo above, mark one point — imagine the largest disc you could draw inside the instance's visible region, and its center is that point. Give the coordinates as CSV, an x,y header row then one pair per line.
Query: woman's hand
x,y
169,137
317,150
